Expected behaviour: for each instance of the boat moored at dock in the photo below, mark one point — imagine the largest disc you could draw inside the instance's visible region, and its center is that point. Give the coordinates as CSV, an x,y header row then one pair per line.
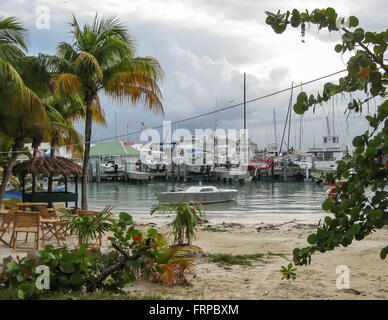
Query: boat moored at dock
x,y
202,194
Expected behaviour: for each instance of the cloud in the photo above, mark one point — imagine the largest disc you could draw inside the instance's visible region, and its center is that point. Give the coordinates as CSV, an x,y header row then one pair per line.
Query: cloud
x,y
205,47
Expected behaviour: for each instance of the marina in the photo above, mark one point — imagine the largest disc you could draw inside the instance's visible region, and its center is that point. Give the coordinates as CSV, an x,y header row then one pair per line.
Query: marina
x,y
159,150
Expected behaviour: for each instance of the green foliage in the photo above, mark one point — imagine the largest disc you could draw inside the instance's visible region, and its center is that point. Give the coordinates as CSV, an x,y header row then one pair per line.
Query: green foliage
x,y
185,222
289,272
90,227
77,270
367,73
68,271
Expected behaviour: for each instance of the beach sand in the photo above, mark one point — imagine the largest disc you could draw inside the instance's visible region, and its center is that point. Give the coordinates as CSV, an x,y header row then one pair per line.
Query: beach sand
x,y
262,280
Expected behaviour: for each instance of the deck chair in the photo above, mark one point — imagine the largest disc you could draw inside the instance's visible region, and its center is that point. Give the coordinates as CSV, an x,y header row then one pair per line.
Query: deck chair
x,y
6,220
92,214
25,222
63,226
50,226
6,226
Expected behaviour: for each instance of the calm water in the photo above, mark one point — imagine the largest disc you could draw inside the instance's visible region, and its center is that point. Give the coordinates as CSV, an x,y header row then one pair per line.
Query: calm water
x,y
256,201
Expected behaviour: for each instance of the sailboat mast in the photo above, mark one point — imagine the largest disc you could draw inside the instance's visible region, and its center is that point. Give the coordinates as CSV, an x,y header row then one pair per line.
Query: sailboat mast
x,y
285,124
215,115
245,103
333,117
274,125
289,120
300,132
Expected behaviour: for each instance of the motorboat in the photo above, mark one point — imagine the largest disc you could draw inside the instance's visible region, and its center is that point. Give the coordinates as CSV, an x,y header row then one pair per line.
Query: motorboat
x,y
111,167
202,194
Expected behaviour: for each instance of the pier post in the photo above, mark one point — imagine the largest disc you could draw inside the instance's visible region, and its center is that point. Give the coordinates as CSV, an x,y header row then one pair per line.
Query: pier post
x,y
98,176
90,176
184,172
125,171
285,171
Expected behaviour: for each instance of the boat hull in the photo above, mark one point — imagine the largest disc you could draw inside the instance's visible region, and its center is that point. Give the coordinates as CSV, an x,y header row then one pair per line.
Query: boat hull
x,y
202,197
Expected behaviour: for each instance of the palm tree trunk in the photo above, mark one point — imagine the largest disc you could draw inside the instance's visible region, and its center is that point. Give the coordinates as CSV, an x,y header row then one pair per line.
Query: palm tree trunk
x,y
52,155
18,144
35,146
88,134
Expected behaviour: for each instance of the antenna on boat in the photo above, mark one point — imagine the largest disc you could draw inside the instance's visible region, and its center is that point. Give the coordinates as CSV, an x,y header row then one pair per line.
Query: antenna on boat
x,y
215,115
127,133
328,126
116,124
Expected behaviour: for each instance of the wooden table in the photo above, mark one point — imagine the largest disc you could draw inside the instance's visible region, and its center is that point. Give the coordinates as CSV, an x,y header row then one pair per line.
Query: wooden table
x,y
25,205
4,227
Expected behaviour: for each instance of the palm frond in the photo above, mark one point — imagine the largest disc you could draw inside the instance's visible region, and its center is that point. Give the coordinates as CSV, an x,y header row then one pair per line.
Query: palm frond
x,y
66,84
11,31
98,113
90,62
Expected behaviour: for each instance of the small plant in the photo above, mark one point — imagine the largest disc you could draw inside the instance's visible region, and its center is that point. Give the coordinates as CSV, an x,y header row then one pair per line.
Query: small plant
x,y
90,227
185,223
289,273
173,262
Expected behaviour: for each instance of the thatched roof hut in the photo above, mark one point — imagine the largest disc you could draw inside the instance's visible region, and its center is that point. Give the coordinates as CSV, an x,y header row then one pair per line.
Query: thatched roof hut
x,y
48,167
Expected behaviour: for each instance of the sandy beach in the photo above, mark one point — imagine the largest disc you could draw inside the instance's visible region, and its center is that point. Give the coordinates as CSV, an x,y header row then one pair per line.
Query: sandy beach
x,y
262,279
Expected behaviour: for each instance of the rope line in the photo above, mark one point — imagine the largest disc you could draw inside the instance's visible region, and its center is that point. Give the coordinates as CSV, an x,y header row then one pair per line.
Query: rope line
x,y
204,114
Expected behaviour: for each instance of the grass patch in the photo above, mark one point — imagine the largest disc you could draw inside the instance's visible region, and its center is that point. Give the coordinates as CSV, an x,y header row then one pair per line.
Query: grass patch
x,y
211,229
223,259
9,294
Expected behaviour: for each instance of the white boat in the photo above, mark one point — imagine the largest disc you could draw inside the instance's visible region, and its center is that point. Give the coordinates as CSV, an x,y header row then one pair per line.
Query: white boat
x,y
326,156
202,194
157,160
111,166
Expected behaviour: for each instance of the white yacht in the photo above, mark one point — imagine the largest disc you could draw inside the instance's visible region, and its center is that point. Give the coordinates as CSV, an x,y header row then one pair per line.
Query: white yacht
x,y
202,194
326,156
111,166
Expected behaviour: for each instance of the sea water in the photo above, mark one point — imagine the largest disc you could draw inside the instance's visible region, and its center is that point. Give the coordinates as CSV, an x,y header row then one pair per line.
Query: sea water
x,y
256,201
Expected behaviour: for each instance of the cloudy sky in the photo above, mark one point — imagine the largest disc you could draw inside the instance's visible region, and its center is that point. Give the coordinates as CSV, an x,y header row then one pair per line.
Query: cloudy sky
x,y
204,48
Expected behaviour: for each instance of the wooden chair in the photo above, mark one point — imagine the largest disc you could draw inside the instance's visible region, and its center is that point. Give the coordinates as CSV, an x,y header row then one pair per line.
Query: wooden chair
x,y
92,214
6,220
50,225
64,225
6,225
27,222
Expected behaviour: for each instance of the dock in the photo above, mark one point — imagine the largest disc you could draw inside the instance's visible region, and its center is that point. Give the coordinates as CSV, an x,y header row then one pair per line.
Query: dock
x,y
219,174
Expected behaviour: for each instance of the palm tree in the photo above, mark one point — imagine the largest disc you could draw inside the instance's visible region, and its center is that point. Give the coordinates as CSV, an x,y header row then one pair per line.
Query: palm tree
x,y
187,216
35,74
102,59
21,109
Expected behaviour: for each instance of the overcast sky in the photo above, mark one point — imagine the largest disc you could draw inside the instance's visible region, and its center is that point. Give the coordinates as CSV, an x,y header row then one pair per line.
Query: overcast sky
x,y
205,47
